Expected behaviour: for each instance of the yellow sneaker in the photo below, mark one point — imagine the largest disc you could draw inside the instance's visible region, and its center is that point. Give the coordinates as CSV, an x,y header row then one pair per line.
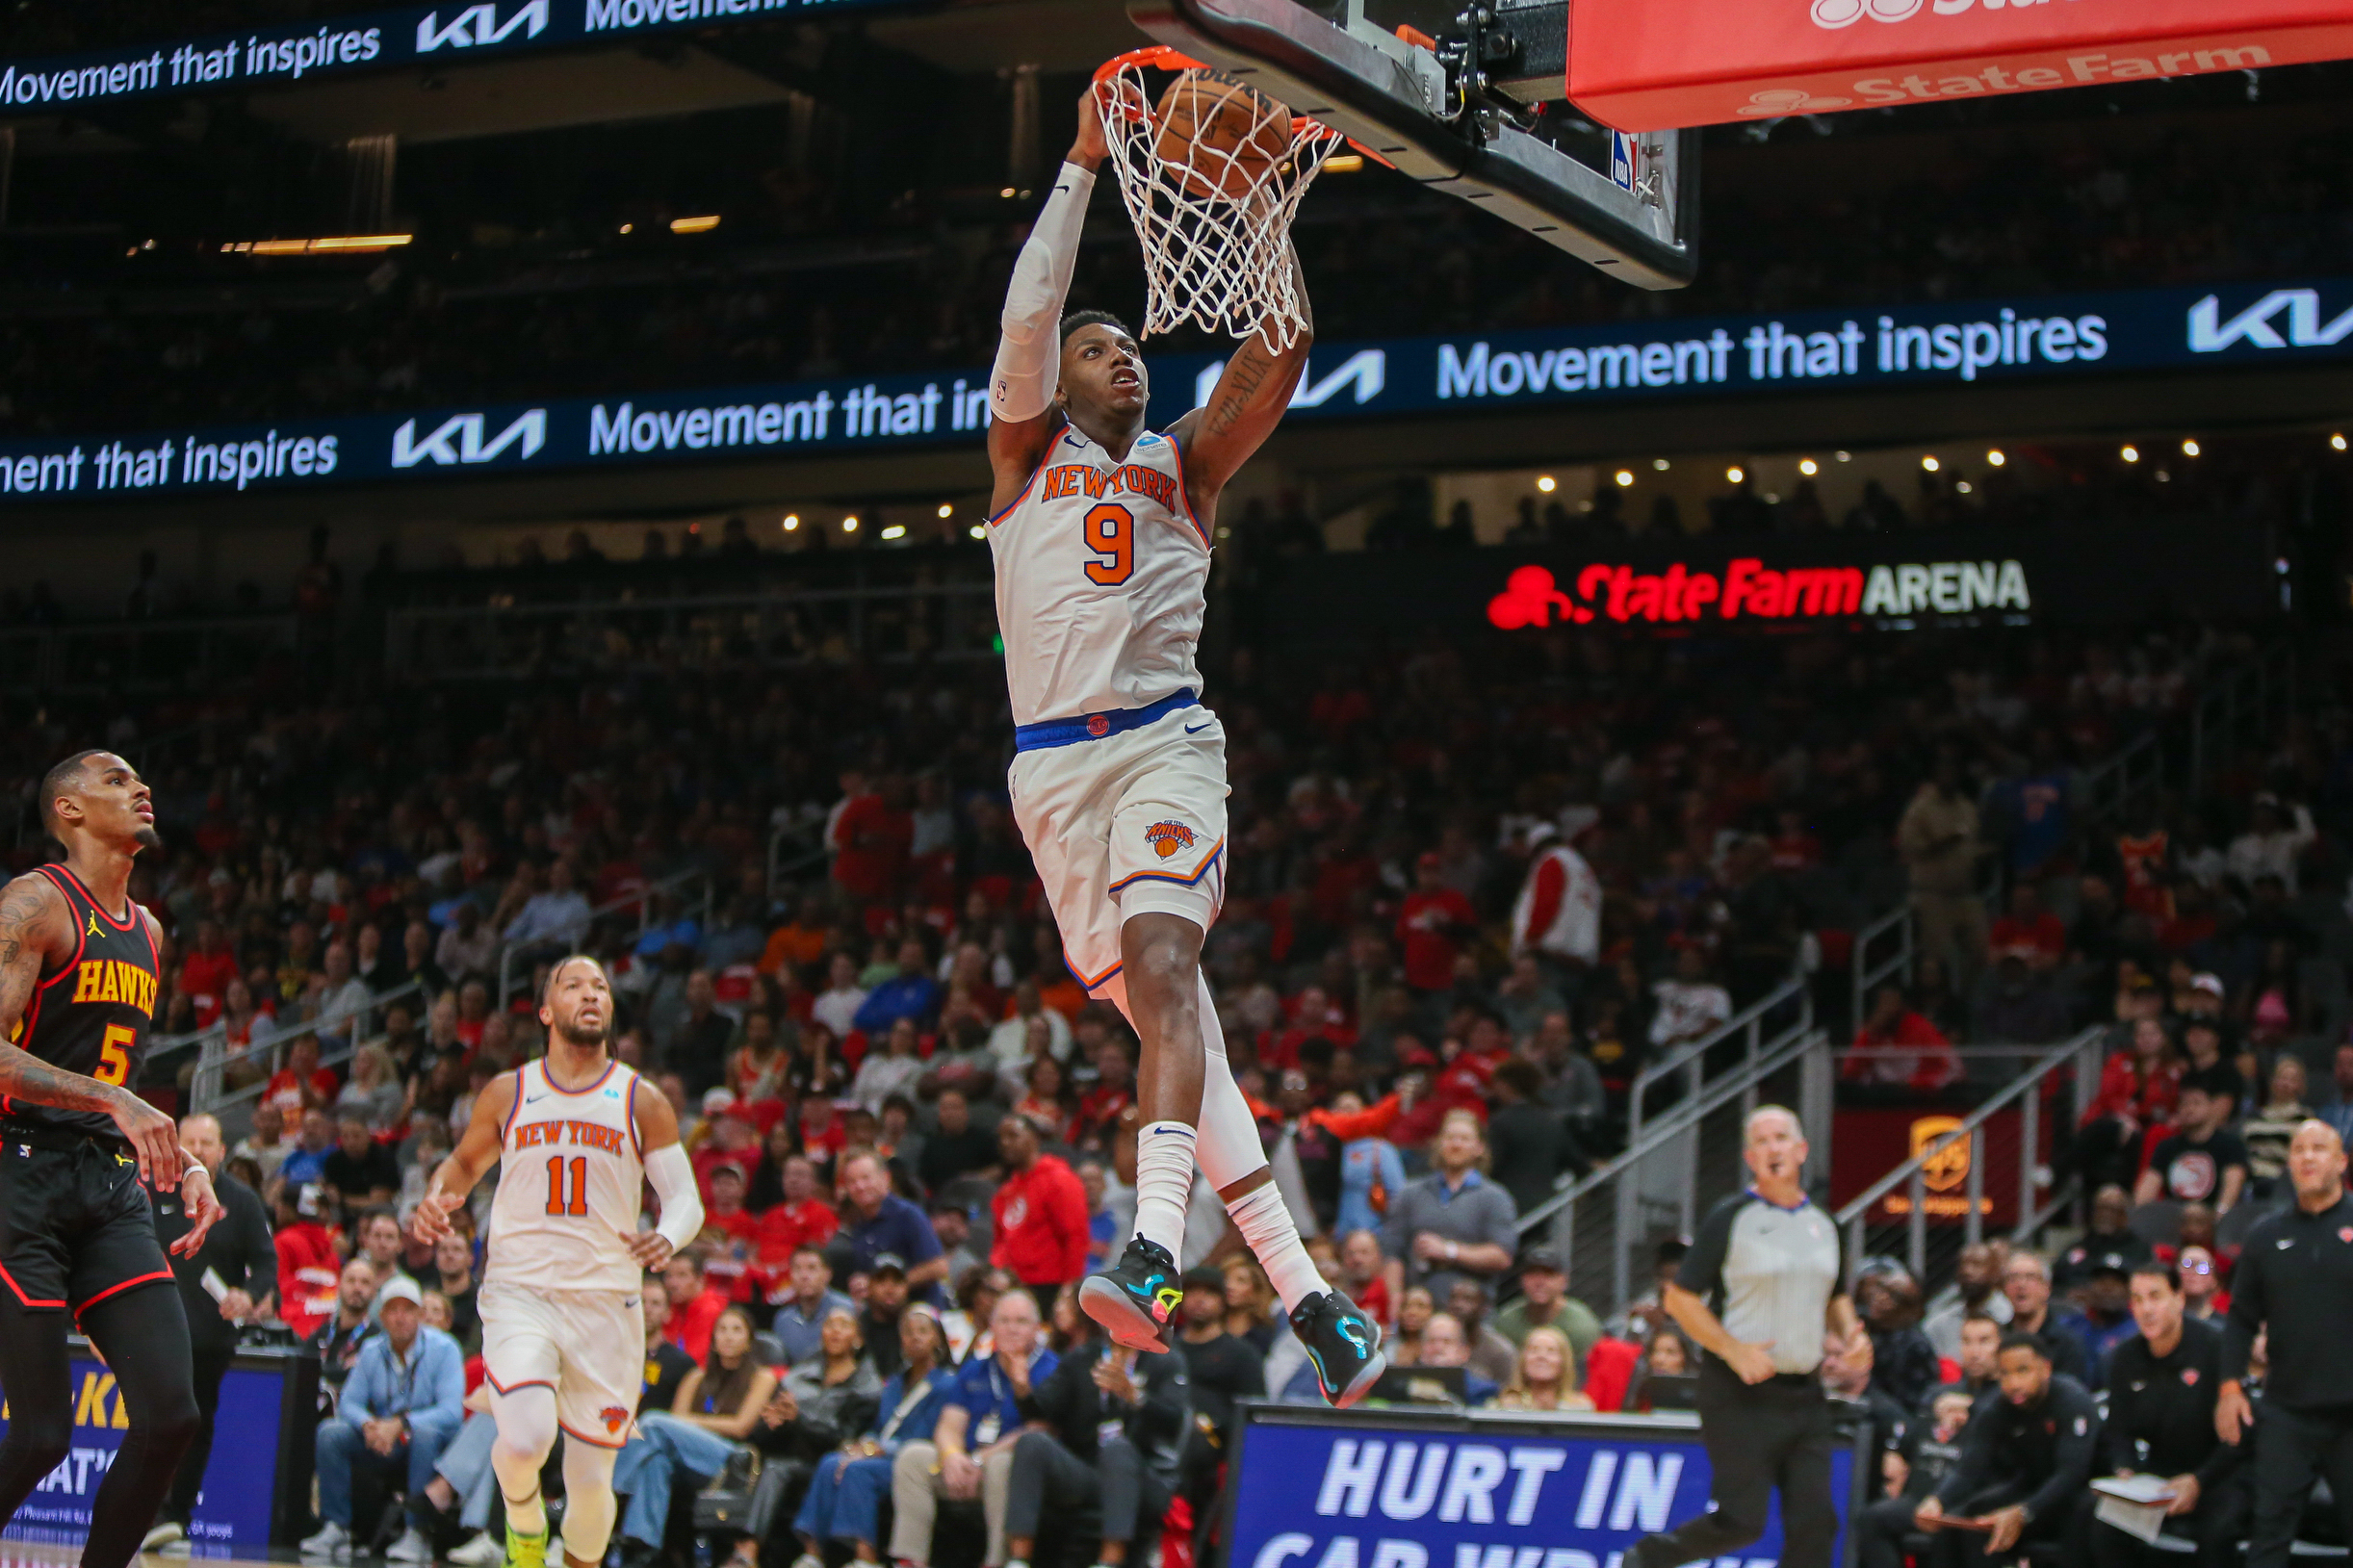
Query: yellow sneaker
x,y
525,1551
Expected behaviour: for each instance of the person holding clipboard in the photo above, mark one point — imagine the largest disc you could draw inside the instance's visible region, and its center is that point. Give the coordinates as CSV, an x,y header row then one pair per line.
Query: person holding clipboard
x,y
1754,1293
2026,1457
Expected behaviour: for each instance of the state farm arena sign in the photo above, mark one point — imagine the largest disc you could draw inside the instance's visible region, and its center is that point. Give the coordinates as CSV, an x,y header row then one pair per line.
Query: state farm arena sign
x,y
1749,588
2120,571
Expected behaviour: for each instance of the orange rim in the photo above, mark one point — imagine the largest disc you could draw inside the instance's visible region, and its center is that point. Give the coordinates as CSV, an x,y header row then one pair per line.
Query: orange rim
x,y
1163,57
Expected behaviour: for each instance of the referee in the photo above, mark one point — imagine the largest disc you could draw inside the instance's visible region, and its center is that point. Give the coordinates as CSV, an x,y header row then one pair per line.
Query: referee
x,y
2296,1278
1755,1292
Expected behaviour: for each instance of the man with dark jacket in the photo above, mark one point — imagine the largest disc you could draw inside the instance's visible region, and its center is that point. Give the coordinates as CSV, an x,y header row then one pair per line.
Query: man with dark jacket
x,y
1113,1421
2161,1388
231,1280
2026,1457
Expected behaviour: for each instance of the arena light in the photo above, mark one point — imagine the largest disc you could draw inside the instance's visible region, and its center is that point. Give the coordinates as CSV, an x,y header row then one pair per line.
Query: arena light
x,y
1995,458
2337,441
1660,464
1625,477
1963,486
333,244
1006,193
1547,483
695,225
628,229
1844,457
792,522
1809,466
978,532
1929,463
2130,454
896,530
1344,163
849,524
1736,475
947,509
2189,448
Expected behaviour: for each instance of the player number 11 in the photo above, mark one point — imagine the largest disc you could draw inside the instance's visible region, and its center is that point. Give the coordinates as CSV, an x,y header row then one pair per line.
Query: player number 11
x,y
556,1185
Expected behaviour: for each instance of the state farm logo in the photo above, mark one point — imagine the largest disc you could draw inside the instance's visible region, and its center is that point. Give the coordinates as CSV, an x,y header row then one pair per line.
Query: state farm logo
x,y
1837,13
1748,589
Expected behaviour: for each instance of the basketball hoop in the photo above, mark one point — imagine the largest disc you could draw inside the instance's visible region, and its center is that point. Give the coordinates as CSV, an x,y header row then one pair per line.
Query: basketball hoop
x,y
1212,174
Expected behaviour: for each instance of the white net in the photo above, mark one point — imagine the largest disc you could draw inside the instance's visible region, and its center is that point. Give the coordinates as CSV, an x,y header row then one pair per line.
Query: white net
x,y
1212,174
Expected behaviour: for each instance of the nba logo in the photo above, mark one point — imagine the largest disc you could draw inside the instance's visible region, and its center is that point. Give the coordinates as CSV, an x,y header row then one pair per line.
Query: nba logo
x,y
1621,160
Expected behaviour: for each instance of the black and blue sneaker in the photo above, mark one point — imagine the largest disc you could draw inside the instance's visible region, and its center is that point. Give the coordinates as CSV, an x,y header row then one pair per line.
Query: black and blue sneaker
x,y
1136,1299
1343,1343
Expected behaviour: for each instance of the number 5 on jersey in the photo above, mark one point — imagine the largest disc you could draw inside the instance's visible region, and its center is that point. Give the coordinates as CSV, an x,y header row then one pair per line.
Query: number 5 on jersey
x,y
1111,531
114,1054
579,1201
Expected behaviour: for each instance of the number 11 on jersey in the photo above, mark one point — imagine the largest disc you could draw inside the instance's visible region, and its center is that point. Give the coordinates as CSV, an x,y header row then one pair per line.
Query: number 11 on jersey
x,y
578,1203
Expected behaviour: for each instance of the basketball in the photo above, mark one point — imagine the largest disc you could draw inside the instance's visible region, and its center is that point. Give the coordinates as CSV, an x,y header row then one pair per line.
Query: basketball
x,y
1219,135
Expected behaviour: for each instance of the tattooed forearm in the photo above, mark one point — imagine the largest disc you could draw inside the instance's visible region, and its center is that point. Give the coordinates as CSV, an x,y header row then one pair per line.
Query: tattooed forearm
x,y
27,1077
1237,389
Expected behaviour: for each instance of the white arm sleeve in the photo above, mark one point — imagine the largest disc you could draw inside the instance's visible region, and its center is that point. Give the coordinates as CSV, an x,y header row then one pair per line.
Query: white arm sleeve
x,y
1021,386
681,1206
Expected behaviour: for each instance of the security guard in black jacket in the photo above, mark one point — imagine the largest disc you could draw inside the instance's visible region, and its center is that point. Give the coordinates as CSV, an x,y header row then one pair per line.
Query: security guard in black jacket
x,y
2296,1278
241,1261
2025,1455
2161,1388
1115,1421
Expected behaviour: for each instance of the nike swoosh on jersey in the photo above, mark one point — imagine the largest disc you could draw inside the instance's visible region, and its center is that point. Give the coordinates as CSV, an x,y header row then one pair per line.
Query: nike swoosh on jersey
x,y
1197,729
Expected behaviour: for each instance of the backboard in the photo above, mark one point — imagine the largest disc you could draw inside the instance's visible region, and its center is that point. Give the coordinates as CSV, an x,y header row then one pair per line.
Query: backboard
x,y
1453,110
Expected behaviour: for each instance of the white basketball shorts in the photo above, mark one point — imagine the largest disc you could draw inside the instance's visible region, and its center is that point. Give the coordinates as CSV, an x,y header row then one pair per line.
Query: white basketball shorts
x,y
1131,823
587,1345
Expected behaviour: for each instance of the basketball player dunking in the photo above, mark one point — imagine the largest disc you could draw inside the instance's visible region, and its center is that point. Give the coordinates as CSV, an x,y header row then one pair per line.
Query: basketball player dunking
x,y
1101,535
79,965
576,1135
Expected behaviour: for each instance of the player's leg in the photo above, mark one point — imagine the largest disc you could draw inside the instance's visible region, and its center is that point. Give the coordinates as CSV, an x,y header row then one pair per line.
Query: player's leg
x,y
38,1378
143,1332
589,1509
521,1360
603,1369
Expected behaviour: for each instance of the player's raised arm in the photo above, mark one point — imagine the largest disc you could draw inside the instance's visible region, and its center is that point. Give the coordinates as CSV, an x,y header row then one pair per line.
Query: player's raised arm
x,y
1028,366
1251,399
477,1152
36,924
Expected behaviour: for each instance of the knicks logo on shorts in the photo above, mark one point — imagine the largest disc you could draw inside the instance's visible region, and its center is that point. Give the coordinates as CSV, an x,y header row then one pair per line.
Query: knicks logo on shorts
x,y
1168,838
613,1417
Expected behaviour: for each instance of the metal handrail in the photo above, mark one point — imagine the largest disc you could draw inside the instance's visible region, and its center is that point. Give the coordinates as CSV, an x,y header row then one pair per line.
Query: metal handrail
x,y
1867,977
2031,1217
204,1092
1690,1059
509,981
778,867
2129,780
1681,1120
2272,669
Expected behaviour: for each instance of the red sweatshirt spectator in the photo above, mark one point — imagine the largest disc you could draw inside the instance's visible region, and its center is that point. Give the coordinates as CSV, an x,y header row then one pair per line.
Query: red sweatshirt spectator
x,y
308,1264
2029,930
1431,926
1040,1211
1559,911
695,1307
871,834
1896,1045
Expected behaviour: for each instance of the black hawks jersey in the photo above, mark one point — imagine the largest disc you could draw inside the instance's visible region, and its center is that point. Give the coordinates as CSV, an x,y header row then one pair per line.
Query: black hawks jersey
x,y
92,1016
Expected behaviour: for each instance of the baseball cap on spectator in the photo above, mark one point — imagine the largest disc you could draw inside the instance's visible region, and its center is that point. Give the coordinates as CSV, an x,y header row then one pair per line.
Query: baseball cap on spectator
x,y
1417,1056
400,1288
311,1202
1428,861
2210,984
728,1167
888,1263
718,1102
1204,1278
2110,1263
1540,1260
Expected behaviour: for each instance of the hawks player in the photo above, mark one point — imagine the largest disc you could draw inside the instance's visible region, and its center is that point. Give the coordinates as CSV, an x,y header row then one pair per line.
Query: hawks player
x,y
576,1135
1102,533
79,965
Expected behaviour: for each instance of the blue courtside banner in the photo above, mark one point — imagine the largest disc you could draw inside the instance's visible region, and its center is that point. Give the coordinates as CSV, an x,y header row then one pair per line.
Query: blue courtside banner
x,y
1970,344
446,34
1404,1489
232,1514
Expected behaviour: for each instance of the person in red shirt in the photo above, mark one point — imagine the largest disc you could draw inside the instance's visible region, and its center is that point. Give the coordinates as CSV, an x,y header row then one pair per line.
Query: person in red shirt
x,y
730,1231
1114,1092
1896,1045
871,834
207,970
301,1083
1040,1211
2138,1090
696,1306
1431,927
802,1220
2030,930
308,1263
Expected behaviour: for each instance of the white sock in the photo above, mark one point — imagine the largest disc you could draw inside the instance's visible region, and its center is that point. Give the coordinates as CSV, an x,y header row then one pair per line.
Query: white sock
x,y
1267,1225
1164,1183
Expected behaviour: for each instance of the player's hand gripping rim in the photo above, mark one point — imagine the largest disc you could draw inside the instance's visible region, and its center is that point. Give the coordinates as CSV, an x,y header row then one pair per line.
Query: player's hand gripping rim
x,y
204,1209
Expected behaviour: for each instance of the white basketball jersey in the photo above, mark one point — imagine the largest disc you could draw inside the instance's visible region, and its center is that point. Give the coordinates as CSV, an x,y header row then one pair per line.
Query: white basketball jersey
x,y
1101,577
571,1180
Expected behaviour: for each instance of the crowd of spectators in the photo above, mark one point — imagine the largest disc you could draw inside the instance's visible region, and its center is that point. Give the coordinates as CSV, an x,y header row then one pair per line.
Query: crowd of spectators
x,y
826,287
